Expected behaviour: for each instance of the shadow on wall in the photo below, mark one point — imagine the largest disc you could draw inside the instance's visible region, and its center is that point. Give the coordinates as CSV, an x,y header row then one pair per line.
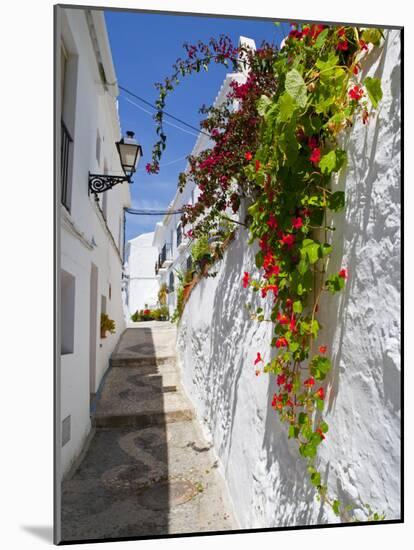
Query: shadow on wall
x,y
282,494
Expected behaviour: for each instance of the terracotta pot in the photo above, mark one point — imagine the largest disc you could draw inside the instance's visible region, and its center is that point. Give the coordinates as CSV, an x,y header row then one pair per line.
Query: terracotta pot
x,y
103,333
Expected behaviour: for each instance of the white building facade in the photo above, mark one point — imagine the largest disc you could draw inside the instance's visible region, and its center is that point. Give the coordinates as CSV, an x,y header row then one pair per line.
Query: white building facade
x,y
91,231
141,290
174,247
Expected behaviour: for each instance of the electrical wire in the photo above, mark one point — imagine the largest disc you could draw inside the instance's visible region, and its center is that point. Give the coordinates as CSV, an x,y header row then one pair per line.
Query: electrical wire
x,y
166,122
162,111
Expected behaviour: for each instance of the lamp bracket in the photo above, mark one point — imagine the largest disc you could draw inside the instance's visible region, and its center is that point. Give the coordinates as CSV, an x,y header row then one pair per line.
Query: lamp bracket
x,y
99,183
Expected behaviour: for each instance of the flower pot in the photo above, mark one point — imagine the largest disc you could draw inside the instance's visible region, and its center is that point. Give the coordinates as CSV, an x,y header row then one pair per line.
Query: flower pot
x,y
103,333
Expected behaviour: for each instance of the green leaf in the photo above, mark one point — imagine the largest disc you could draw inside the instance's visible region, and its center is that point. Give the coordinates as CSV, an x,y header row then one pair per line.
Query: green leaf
x,y
259,259
296,87
263,104
297,306
287,106
310,250
373,86
324,426
320,404
303,266
321,39
336,507
303,418
325,249
336,201
327,62
372,35
293,346
332,161
293,431
316,479
335,283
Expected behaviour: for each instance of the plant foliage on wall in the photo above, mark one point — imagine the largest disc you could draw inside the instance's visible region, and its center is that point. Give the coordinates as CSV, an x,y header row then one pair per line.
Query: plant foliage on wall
x,y
277,150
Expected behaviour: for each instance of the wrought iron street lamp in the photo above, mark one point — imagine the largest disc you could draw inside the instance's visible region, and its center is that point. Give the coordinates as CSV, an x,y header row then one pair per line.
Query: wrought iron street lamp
x,y
129,153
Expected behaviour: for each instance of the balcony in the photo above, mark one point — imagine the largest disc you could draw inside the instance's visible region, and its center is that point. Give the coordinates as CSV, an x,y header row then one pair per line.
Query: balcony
x,y
166,258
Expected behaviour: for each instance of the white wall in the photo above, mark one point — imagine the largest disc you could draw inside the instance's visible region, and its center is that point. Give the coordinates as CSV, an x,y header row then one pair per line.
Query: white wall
x,y
218,342
86,237
140,268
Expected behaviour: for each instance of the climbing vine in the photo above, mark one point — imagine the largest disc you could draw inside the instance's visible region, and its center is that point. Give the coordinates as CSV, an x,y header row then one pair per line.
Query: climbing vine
x,y
275,149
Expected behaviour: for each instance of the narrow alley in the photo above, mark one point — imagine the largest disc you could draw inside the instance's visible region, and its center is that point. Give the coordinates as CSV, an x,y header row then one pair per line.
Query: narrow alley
x,y
148,470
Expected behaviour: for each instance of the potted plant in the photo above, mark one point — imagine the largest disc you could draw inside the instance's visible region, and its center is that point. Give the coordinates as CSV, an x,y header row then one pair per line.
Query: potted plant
x,y
107,325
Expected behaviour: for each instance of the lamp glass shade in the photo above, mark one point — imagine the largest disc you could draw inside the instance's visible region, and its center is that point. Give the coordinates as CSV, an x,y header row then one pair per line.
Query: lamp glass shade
x,y
129,153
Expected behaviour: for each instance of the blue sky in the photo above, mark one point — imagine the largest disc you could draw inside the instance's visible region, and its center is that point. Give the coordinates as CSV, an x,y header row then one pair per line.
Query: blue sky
x,y
144,48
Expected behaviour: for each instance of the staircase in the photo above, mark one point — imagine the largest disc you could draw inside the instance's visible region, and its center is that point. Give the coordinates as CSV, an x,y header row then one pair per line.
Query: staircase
x,y
142,386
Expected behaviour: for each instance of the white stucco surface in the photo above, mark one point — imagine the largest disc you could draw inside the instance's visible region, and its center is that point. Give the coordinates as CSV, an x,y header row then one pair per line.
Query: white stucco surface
x,y
91,233
140,269
217,344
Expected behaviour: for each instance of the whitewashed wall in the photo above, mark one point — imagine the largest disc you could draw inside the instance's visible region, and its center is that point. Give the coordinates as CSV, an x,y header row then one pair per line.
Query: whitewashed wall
x,y
140,268
217,344
86,237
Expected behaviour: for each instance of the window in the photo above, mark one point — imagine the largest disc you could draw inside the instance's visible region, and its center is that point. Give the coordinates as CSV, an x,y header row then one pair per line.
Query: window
x,y
98,147
189,262
67,316
68,84
171,282
103,304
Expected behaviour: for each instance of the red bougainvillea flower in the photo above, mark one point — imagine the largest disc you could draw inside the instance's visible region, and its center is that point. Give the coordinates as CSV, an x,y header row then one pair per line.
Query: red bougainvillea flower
x,y
297,223
356,93
289,403
343,273
363,45
320,432
292,324
269,288
306,212
272,222
258,358
322,349
272,270
288,387
152,168
283,319
282,343
288,240
356,69
312,142
342,45
245,280
281,379
268,260
341,31
315,156
248,156
147,311
289,303
257,165
320,393
309,382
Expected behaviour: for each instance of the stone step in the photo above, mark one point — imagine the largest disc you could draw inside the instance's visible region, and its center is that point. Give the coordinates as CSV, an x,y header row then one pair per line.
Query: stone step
x,y
141,420
141,361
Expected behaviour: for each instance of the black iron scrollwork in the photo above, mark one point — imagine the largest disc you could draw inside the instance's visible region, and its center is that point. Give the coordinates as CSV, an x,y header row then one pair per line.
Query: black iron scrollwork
x,y
99,183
